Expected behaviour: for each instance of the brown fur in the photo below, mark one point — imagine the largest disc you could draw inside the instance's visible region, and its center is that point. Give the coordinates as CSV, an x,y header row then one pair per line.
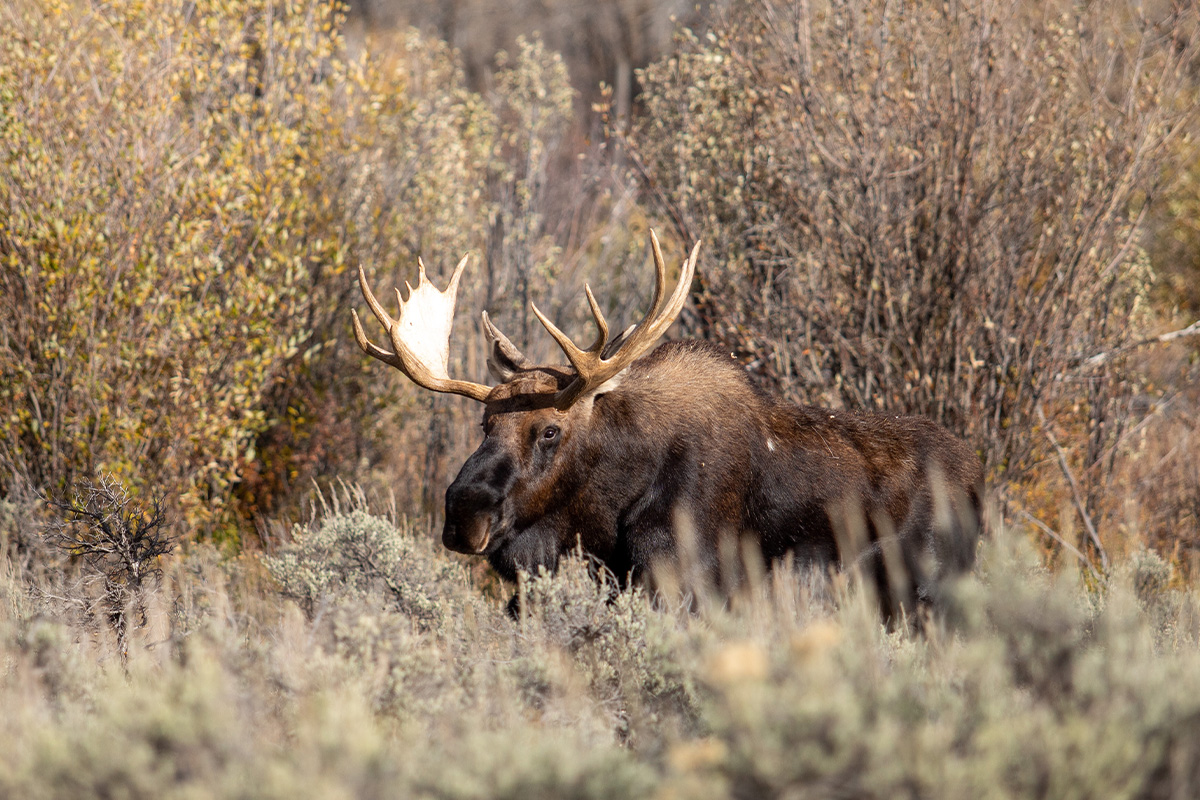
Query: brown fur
x,y
683,434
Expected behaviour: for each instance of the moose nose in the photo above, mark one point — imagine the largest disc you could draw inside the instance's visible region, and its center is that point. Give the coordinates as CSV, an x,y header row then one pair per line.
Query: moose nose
x,y
474,500
470,537
471,508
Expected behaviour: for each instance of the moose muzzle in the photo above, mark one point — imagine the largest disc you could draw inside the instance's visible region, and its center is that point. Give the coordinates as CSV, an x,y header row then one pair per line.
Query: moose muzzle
x,y
474,500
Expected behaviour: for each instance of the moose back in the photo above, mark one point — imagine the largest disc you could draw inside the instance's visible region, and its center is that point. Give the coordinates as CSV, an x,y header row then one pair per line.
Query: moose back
x,y
628,449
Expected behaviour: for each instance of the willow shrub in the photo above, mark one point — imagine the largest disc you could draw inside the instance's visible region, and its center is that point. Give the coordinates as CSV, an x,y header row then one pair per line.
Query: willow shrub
x,y
185,188
935,209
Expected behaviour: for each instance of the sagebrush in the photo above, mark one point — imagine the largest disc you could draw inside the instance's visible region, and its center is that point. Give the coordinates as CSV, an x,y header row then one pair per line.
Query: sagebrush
x,y
408,681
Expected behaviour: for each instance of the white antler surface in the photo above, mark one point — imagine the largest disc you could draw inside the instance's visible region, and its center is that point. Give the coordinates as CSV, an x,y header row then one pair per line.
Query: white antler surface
x,y
421,334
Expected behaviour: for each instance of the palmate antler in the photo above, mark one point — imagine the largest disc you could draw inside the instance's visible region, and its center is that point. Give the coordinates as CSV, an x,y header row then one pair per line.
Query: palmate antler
x,y
421,335
591,367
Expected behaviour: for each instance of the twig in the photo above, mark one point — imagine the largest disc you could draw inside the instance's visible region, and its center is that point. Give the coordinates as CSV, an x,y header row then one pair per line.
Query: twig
x,y
664,201
1046,529
1099,358
1075,494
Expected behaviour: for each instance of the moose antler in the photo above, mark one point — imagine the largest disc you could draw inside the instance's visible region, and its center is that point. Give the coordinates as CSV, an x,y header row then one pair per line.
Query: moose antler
x,y
421,334
591,367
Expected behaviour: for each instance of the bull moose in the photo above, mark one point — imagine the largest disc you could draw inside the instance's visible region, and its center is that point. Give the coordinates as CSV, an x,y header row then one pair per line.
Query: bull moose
x,y
613,451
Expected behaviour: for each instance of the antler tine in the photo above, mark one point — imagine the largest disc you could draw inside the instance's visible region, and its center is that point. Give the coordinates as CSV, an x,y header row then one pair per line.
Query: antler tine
x,y
601,323
651,328
591,368
574,355
420,335
360,335
370,348
452,287
660,277
376,306
572,351
500,346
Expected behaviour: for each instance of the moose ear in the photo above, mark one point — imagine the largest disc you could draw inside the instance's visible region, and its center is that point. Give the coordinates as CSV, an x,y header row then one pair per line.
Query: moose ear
x,y
615,345
504,359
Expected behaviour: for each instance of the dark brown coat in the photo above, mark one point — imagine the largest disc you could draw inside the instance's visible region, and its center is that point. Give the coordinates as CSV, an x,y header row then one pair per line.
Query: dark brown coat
x,y
684,438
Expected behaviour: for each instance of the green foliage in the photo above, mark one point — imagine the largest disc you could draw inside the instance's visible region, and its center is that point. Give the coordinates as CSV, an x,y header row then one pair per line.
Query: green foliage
x,y
1176,243
533,102
355,561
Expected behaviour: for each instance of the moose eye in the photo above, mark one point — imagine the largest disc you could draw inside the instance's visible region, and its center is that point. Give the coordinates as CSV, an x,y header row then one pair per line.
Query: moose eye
x,y
550,433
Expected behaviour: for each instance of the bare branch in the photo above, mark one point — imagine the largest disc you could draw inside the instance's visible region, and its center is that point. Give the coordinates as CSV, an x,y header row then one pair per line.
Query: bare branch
x,y
1163,338
120,541
1076,496
1070,548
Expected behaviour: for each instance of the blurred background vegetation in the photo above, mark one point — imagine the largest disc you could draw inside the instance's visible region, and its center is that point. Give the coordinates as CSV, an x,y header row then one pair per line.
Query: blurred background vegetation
x,y
986,213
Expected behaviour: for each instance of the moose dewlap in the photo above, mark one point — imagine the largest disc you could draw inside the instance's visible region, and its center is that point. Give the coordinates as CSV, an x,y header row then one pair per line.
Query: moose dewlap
x,y
639,455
